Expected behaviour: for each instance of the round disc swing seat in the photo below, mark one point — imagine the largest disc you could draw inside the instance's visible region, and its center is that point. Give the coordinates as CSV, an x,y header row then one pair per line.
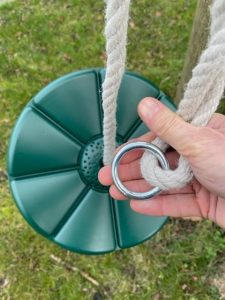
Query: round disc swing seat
x,y
54,157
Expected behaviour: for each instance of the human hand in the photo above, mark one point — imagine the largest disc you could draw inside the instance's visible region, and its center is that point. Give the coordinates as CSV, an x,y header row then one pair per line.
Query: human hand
x,y
203,147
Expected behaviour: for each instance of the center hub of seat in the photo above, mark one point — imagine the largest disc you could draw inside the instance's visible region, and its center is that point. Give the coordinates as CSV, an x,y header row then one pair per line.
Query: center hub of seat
x,y
91,162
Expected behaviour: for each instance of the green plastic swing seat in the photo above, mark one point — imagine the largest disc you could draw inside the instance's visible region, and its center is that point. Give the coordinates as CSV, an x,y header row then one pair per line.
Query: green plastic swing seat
x,y
54,156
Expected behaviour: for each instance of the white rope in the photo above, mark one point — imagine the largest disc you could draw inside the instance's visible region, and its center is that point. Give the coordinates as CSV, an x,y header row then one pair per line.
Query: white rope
x,y
117,14
202,96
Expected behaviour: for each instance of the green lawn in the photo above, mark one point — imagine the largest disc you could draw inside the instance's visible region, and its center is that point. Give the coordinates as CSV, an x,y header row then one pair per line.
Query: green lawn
x,y
41,40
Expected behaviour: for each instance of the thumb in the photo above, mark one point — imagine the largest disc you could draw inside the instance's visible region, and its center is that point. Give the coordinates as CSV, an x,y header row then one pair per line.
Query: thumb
x,y
167,125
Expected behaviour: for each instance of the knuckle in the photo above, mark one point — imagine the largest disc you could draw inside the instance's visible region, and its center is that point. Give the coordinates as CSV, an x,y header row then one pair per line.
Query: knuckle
x,y
192,145
166,125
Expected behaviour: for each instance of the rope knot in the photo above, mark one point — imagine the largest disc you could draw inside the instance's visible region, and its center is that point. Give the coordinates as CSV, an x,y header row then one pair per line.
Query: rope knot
x,y
165,179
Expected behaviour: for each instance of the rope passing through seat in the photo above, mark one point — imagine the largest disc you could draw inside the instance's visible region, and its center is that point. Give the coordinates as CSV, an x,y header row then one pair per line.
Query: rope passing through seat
x,y
117,14
201,98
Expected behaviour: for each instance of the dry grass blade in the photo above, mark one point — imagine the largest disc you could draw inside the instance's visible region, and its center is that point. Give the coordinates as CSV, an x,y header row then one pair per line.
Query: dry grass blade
x,y
69,267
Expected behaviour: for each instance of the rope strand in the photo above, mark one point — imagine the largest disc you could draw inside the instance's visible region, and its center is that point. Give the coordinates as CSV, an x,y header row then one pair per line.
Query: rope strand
x,y
117,14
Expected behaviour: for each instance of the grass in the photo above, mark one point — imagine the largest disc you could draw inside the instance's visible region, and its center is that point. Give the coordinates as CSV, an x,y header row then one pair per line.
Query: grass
x,y
40,41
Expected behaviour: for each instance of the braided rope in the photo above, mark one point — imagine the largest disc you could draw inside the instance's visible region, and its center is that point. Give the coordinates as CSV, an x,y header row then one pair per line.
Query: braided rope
x,y
201,98
117,14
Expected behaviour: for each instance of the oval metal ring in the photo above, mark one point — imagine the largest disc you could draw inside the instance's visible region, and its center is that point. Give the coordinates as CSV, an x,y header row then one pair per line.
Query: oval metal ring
x,y
115,164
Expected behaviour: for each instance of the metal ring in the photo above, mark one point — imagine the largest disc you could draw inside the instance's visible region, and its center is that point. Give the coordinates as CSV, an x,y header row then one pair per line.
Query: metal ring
x,y
115,164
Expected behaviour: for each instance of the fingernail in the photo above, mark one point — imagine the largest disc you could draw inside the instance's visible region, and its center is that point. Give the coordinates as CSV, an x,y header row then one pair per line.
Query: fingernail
x,y
149,107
